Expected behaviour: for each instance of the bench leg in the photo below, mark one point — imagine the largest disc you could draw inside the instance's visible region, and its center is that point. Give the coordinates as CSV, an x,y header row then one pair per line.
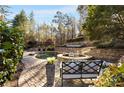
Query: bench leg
x,y
61,81
92,82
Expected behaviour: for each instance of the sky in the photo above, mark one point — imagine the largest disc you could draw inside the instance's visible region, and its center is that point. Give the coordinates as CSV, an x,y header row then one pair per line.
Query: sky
x,y
44,13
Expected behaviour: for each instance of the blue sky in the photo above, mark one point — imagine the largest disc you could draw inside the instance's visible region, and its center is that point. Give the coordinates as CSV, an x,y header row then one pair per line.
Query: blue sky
x,y
44,13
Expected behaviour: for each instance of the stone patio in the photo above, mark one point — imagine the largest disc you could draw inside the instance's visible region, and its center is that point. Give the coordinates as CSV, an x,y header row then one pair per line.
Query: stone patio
x,y
34,74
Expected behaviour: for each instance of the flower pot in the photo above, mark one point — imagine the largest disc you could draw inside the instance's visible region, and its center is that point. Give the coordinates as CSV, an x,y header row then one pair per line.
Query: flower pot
x,y
50,74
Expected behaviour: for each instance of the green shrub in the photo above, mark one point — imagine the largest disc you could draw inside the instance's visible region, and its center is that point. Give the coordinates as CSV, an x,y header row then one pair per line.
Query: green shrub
x,y
76,39
50,48
104,45
111,76
110,44
51,60
12,42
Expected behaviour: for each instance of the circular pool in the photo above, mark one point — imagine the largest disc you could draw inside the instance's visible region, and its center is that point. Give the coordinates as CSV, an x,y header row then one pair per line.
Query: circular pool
x,y
46,54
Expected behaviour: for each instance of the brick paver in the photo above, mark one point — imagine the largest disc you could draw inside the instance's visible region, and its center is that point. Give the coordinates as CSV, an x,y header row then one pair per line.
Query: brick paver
x,y
34,71
34,74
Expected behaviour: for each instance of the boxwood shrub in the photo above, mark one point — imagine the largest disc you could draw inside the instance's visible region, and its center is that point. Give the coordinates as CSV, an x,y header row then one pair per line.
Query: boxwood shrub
x,y
12,42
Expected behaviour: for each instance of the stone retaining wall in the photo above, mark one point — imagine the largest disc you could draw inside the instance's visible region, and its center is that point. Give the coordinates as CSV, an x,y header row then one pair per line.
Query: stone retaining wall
x,y
112,55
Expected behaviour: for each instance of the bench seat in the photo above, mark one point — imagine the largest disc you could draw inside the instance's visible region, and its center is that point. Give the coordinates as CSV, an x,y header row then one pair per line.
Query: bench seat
x,y
76,76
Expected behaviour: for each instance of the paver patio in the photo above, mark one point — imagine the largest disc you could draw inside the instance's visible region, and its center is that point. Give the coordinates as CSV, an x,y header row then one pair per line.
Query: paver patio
x,y
34,74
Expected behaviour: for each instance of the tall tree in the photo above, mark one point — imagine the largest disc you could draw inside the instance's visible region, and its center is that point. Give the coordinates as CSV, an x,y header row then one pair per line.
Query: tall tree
x,y
4,11
43,32
32,21
105,23
82,10
66,26
70,25
21,21
59,19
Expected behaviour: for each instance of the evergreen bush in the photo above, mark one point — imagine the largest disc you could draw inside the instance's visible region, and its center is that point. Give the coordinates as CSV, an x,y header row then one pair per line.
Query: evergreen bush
x,y
12,41
113,76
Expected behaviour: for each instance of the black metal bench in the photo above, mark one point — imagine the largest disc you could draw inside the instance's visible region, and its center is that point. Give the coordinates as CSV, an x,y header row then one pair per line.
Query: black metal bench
x,y
85,69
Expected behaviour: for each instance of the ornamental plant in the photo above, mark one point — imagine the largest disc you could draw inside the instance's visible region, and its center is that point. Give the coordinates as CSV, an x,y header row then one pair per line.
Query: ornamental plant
x,y
51,60
12,41
111,77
